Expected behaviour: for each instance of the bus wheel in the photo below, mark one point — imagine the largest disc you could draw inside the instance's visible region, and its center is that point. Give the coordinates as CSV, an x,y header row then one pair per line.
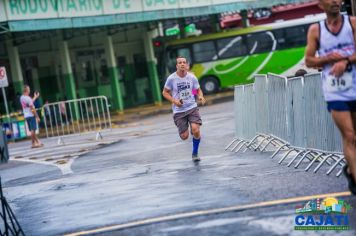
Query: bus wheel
x,y
209,85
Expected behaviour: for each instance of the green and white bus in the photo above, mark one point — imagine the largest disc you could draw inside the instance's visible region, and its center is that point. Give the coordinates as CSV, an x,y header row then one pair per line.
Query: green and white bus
x,y
233,57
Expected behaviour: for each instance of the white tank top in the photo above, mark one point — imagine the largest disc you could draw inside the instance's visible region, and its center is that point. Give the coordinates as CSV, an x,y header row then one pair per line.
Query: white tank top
x,y
343,88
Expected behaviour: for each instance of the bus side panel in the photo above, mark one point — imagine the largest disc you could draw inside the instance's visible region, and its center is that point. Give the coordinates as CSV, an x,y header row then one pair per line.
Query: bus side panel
x,y
241,70
283,60
234,71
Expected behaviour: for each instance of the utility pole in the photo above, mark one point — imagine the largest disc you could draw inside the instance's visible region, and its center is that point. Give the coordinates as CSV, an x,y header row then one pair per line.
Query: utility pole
x,y
353,7
350,6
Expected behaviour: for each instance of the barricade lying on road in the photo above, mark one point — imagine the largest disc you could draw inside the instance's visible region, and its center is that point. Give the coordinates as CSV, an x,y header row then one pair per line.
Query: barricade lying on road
x,y
76,116
289,116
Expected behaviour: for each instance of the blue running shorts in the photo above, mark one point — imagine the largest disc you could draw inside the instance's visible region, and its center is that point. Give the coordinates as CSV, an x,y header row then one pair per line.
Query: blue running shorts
x,y
342,106
32,124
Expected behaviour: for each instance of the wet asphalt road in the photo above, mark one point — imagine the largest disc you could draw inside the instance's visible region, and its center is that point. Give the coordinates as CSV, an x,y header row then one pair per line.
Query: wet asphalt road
x,y
149,173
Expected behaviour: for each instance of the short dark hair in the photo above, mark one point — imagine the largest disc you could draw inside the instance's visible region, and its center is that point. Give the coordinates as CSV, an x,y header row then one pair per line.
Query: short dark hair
x,y
300,72
178,57
25,87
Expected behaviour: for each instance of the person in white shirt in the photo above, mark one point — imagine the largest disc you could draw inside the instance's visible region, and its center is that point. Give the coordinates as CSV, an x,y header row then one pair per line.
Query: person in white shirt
x,y
178,90
30,114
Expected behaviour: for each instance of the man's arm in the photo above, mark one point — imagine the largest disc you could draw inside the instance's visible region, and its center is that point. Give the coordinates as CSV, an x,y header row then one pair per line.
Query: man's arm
x,y
312,45
35,96
352,59
34,112
201,96
167,95
30,104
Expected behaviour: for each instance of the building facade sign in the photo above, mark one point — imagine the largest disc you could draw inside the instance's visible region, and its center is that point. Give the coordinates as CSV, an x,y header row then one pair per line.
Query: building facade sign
x,y
47,9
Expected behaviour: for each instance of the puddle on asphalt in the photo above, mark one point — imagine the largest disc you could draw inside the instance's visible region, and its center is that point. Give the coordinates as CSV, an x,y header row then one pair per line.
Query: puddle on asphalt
x,y
61,162
66,186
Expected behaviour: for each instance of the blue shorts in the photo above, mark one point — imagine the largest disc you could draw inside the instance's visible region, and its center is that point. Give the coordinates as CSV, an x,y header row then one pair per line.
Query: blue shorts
x,y
32,124
342,106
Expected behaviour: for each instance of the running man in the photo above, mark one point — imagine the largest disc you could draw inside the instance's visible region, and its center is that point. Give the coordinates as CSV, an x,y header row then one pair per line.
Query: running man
x,y
178,90
334,40
30,114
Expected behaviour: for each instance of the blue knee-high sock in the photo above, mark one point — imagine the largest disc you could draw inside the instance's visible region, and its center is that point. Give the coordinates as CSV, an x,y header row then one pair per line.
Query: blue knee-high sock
x,y
195,145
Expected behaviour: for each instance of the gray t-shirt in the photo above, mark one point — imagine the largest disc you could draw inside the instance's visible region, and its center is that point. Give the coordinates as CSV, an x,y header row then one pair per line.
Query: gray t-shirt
x,y
181,88
27,106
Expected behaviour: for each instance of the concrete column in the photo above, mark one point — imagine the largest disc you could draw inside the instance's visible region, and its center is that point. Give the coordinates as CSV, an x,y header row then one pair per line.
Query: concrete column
x,y
353,7
67,70
36,83
16,72
114,75
152,69
70,89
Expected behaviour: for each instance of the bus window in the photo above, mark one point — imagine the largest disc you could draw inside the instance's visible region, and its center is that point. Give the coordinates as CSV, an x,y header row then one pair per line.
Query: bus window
x,y
260,42
204,51
281,40
173,54
231,47
296,36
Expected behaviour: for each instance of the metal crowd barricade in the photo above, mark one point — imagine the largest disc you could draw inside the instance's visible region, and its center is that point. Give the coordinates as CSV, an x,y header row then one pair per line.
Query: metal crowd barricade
x,y
9,225
249,113
261,102
239,102
295,112
321,133
77,116
277,105
289,117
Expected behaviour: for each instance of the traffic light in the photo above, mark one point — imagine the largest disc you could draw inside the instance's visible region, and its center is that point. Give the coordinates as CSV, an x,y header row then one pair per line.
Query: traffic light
x,y
157,43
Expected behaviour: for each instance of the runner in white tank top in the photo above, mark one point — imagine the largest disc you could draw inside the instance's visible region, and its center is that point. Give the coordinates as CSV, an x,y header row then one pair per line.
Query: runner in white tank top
x,y
334,40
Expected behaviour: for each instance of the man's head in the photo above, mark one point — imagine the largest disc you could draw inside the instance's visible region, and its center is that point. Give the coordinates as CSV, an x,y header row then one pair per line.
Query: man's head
x,y
26,90
300,72
331,6
181,64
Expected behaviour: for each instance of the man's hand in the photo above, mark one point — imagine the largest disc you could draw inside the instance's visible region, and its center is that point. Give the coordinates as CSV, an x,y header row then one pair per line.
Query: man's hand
x,y
36,95
201,100
178,103
338,68
334,57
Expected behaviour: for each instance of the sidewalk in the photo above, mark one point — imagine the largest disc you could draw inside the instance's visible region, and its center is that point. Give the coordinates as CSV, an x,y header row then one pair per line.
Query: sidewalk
x,y
137,113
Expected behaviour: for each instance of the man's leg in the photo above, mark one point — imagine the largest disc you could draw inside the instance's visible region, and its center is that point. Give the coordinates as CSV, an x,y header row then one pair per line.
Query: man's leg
x,y
196,137
353,116
33,138
195,122
184,135
38,143
181,121
345,122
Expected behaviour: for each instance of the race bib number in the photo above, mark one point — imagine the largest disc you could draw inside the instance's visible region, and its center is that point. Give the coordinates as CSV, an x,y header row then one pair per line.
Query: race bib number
x,y
185,94
343,83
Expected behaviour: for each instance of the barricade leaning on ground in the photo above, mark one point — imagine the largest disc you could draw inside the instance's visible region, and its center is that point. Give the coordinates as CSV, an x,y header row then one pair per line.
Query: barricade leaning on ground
x,y
77,116
8,222
289,117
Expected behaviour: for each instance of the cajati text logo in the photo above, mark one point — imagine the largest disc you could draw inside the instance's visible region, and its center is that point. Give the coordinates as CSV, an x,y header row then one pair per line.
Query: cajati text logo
x,y
323,214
